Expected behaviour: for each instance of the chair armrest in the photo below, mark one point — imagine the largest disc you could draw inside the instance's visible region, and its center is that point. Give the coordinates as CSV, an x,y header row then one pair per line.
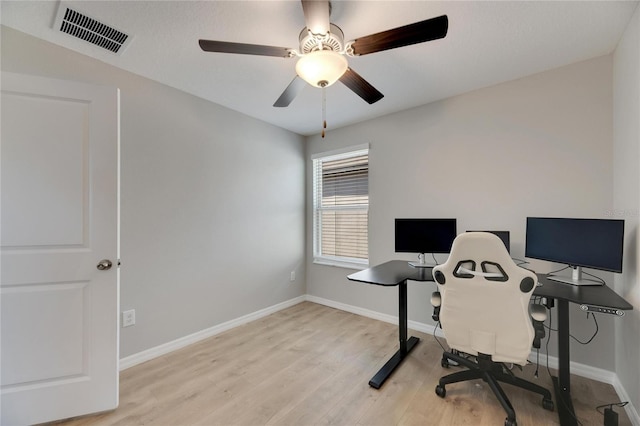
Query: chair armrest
x,y
539,316
436,299
537,312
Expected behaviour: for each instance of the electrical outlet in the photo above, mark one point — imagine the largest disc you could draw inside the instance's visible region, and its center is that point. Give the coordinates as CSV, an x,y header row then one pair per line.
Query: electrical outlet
x,y
292,277
129,318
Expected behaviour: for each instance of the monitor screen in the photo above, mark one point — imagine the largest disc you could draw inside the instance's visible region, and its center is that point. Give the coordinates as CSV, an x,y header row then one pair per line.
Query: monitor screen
x,y
589,243
425,235
504,236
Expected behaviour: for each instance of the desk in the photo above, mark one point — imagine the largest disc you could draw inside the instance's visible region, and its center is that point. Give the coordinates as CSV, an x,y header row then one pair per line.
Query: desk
x,y
397,272
564,293
394,273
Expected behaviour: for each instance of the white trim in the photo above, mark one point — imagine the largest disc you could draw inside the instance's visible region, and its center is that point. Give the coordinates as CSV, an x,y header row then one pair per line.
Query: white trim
x,y
340,263
181,342
634,417
341,151
582,370
318,161
598,374
578,369
413,325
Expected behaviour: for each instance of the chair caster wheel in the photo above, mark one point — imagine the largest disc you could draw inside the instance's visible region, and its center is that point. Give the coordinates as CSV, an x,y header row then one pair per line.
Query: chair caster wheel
x,y
547,404
508,422
444,363
441,391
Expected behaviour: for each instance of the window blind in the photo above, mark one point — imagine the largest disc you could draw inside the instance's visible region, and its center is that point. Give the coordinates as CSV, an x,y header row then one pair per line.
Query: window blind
x,y
341,207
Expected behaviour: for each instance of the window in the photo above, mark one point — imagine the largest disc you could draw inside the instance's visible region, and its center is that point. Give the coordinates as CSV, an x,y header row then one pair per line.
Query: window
x,y
341,207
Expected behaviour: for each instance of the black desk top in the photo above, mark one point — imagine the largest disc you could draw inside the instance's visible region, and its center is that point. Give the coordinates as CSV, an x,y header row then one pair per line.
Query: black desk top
x,y
395,272
392,273
597,295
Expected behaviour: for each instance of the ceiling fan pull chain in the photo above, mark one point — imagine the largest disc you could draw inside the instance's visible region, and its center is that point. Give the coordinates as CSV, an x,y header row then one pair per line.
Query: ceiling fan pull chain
x,y
324,111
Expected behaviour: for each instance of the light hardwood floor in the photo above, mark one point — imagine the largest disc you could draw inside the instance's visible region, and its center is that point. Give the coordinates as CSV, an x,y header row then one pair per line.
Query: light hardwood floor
x,y
310,365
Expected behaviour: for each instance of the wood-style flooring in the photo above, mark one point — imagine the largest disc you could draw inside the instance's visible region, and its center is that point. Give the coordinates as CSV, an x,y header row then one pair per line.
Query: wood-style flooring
x,y
310,365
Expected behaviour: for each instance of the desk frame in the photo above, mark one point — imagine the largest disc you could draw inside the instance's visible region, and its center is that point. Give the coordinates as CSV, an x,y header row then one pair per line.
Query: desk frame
x,y
562,294
398,272
405,345
394,273
562,383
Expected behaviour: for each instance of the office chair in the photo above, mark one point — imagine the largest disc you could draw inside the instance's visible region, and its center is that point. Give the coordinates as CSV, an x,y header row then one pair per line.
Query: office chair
x,y
482,304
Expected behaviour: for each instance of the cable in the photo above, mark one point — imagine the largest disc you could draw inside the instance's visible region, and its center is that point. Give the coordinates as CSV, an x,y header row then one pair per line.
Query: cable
x,y
613,404
595,276
434,259
574,337
594,333
435,327
562,401
547,344
559,270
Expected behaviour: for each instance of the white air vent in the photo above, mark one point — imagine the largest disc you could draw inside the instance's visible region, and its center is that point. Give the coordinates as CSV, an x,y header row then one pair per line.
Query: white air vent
x,y
70,21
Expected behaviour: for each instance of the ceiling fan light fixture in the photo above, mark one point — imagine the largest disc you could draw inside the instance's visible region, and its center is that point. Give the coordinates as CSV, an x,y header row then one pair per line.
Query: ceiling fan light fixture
x,y
321,68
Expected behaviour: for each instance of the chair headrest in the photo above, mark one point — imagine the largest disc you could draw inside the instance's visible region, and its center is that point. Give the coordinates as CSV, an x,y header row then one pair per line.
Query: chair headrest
x,y
481,255
480,246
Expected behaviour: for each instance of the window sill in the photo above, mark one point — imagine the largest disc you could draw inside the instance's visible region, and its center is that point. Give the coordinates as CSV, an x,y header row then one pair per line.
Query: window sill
x,y
341,263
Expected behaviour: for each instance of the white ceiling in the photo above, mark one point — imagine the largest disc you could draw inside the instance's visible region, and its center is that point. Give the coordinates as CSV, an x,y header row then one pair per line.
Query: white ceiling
x,y
487,43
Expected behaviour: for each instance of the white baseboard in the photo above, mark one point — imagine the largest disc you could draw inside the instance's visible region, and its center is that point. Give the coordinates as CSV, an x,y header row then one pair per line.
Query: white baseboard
x,y
165,348
413,325
582,370
578,369
633,414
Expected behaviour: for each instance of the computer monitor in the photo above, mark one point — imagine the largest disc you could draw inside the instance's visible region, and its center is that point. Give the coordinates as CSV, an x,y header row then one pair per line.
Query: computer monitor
x,y
589,243
424,236
504,236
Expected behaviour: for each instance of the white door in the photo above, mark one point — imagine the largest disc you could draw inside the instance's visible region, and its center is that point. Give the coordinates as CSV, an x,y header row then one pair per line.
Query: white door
x,y
59,219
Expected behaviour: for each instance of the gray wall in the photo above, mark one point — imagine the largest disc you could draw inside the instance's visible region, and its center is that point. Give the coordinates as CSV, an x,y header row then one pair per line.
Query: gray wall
x,y
212,215
540,145
626,113
196,180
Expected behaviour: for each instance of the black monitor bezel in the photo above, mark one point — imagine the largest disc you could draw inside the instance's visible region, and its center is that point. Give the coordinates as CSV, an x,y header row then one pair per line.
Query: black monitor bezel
x,y
571,262
500,235
450,221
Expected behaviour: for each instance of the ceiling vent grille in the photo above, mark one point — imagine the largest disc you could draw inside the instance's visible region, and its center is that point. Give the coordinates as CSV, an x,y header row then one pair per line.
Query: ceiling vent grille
x,y
81,26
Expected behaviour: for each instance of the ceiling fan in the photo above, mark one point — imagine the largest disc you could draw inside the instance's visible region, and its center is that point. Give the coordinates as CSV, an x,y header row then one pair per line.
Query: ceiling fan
x,y
323,52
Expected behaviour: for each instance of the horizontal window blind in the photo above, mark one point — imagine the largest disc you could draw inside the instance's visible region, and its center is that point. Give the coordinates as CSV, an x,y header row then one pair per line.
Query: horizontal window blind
x,y
341,207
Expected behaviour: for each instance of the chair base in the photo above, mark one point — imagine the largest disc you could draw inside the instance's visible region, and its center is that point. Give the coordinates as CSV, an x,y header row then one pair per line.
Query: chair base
x,y
492,373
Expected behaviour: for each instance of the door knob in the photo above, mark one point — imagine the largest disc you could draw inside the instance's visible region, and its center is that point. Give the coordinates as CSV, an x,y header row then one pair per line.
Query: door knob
x,y
104,265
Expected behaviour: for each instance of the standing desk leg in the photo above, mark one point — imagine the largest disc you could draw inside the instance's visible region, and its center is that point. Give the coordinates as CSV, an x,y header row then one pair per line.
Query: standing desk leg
x,y
562,383
405,345
402,316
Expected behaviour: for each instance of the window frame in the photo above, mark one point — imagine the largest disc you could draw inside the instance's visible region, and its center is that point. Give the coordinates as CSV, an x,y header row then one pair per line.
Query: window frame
x,y
324,259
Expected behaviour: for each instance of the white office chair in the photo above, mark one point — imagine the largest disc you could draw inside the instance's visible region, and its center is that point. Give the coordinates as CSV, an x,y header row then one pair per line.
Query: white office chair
x,y
483,303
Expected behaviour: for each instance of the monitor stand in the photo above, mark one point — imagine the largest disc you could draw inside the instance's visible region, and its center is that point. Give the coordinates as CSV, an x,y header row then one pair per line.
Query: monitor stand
x,y
421,263
575,279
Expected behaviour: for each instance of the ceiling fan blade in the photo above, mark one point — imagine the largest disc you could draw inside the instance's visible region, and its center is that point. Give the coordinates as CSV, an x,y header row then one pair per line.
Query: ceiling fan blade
x,y
418,32
316,15
360,86
243,48
290,92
